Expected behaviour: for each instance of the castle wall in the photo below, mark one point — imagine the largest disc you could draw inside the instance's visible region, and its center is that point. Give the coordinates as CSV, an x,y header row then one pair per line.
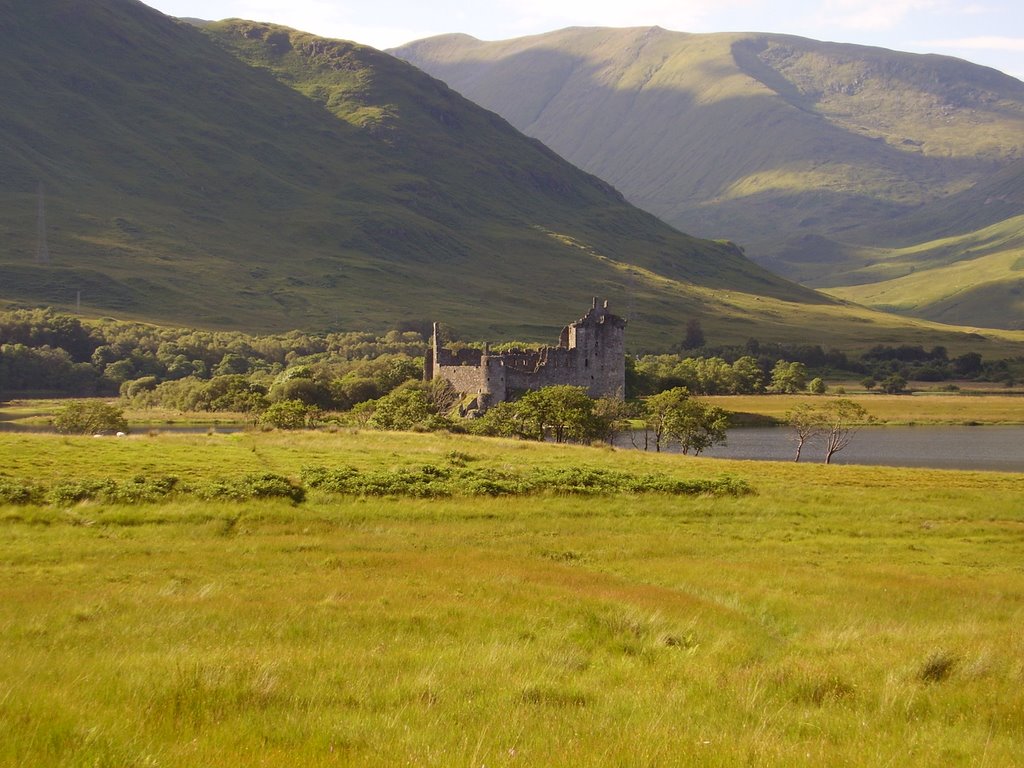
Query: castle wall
x,y
465,378
590,354
466,356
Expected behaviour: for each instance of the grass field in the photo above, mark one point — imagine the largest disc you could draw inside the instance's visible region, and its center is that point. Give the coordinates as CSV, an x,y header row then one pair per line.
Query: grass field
x,y
839,616
893,409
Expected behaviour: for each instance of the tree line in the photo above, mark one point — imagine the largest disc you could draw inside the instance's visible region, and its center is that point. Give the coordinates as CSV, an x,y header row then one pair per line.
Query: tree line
x,y
46,352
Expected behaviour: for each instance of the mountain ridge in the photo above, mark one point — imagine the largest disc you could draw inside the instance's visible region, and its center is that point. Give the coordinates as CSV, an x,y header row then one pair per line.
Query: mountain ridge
x,y
783,144
169,162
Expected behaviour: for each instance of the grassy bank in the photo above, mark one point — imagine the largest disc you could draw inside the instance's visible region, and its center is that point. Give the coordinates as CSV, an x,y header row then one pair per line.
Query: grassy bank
x,y
39,412
888,409
842,615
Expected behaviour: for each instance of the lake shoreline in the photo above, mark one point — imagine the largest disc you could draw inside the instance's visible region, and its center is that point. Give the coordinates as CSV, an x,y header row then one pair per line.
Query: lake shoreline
x,y
990,447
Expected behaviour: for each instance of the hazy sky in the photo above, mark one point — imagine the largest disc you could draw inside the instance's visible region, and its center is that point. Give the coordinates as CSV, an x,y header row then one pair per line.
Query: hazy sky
x,y
989,32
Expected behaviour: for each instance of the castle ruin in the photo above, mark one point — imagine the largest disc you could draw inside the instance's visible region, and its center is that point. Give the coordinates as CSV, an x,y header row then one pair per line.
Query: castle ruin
x,y
590,353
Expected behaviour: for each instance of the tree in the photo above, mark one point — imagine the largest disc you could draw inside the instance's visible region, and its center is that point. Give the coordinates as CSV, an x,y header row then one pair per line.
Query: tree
x,y
287,414
788,378
694,335
675,416
90,417
837,420
817,386
402,409
500,420
968,364
697,426
350,391
806,421
443,396
304,389
894,385
841,419
566,412
748,378
231,364
659,410
611,418
233,393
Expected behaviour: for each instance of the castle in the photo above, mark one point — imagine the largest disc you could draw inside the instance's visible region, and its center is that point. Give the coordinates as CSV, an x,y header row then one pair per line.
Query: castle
x,y
590,353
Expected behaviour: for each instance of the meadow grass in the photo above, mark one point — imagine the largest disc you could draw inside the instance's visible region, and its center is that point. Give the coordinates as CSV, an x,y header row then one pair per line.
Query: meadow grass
x,y
841,615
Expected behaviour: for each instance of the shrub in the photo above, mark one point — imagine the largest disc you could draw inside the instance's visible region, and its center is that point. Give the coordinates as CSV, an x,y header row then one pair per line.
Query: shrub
x,y
938,667
12,492
894,385
135,491
141,489
73,492
253,486
430,481
286,414
90,417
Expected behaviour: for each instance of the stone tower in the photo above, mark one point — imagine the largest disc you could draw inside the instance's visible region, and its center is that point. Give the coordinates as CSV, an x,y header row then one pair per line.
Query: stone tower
x,y
600,361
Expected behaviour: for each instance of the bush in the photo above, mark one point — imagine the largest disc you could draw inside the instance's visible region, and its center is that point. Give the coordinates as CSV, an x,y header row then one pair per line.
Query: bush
x,y
66,494
286,414
12,492
253,486
429,481
90,417
426,482
135,491
938,667
141,489
894,385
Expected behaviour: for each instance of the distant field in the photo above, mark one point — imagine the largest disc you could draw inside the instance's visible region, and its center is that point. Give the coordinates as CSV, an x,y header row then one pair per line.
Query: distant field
x,y
39,412
894,409
840,616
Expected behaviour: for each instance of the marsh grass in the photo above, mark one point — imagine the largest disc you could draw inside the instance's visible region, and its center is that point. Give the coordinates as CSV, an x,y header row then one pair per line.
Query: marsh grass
x,y
795,626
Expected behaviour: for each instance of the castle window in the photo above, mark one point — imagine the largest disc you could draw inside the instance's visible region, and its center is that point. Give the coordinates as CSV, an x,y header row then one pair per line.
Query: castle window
x,y
586,362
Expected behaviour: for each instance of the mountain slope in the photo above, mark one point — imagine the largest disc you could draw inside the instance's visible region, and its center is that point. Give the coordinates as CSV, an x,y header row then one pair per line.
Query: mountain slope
x,y
770,140
250,176
977,276
956,260
169,163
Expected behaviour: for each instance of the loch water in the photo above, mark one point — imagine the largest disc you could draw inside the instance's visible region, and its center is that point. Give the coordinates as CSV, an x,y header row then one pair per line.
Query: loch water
x,y
997,448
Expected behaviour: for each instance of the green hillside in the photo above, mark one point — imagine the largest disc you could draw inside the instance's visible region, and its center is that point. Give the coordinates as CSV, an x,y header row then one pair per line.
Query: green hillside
x,y
979,276
183,184
792,147
956,260
248,176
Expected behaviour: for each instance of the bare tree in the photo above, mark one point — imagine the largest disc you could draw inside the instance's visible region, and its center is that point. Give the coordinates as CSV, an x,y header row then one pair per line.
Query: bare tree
x,y
837,420
842,419
806,421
